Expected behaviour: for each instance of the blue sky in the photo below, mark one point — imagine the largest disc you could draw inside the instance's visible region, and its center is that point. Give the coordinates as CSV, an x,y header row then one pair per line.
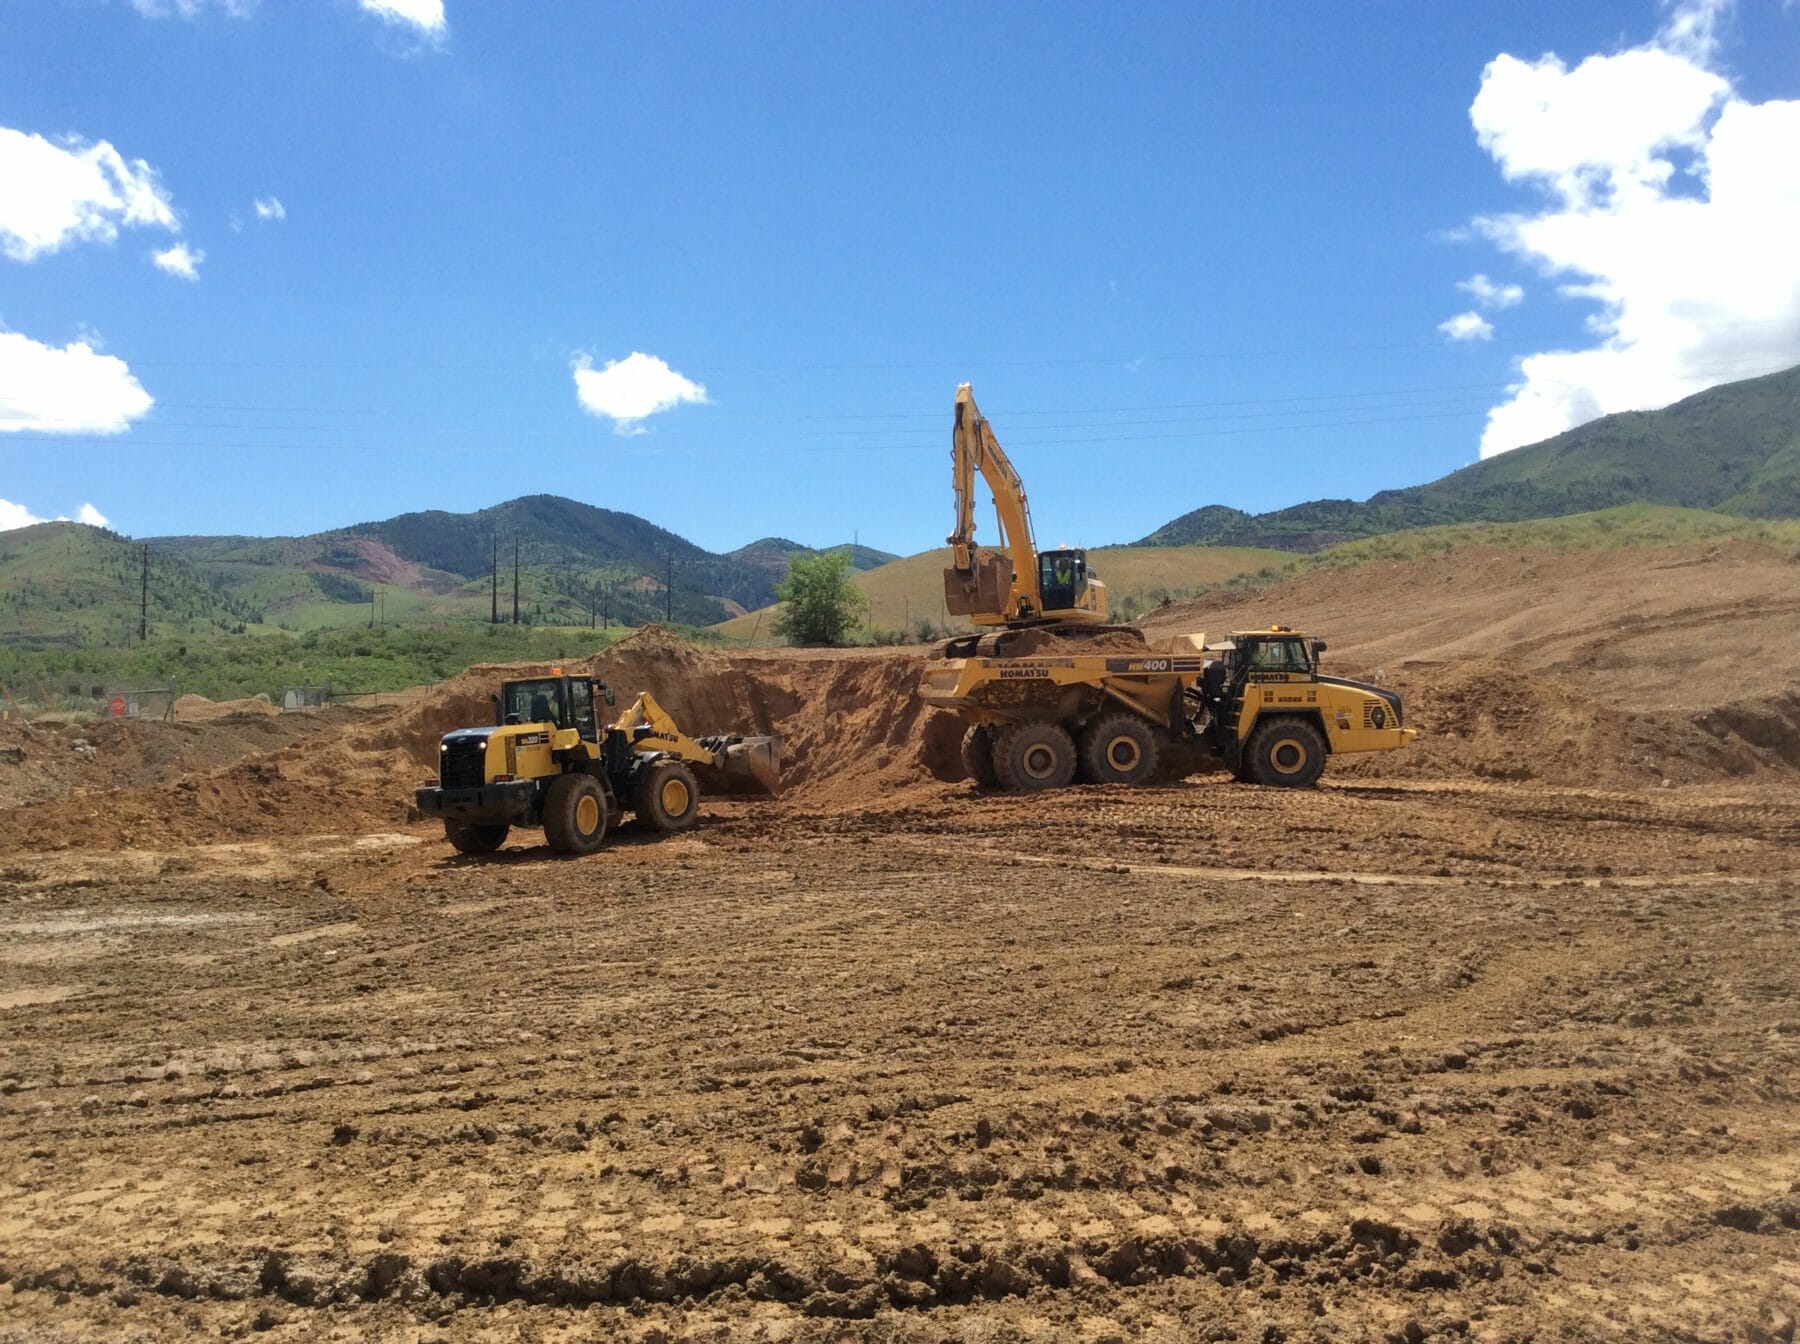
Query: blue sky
x,y
1186,254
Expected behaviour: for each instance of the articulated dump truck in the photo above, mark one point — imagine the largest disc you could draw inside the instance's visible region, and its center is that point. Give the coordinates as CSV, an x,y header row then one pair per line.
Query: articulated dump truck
x,y
1255,704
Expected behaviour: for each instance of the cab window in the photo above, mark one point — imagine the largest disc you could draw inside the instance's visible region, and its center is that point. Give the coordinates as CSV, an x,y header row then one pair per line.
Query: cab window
x,y
534,702
1280,655
581,709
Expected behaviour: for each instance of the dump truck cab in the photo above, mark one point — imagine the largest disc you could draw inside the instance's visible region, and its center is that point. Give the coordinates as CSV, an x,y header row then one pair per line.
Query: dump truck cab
x,y
551,759
1264,707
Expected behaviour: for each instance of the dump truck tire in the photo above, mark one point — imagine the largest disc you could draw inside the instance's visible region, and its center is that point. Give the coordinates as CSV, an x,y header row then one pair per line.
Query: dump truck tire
x,y
469,838
1118,749
1285,753
1033,756
978,756
667,798
574,814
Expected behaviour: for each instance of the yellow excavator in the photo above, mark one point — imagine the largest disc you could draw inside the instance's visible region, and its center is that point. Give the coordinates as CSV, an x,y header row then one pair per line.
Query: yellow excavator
x,y
549,761
1013,586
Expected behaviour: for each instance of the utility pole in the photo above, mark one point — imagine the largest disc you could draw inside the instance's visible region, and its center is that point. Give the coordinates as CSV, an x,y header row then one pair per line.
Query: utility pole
x,y
606,611
144,599
494,575
515,578
594,607
371,606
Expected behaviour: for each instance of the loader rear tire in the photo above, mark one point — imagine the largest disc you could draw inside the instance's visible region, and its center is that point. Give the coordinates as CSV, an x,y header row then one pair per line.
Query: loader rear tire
x,y
667,798
978,756
575,814
471,838
1118,749
1033,756
1284,753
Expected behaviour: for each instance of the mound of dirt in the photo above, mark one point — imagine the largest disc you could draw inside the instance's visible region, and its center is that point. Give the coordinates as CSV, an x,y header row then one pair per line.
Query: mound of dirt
x,y
1048,644
1498,719
198,709
851,728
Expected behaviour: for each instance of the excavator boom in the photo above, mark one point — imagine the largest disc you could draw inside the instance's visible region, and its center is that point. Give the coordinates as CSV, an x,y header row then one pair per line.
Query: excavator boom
x,y
1012,584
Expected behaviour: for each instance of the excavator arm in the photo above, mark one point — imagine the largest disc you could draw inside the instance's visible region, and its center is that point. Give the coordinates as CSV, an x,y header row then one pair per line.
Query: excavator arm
x,y
999,585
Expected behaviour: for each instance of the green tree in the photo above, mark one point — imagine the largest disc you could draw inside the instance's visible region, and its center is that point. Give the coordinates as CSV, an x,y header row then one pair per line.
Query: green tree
x,y
820,605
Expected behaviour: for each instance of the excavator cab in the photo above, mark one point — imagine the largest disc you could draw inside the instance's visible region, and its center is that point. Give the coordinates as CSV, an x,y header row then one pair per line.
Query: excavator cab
x,y
1062,579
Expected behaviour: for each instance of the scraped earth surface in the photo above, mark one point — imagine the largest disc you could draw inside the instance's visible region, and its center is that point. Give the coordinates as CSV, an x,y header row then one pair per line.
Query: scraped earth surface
x,y
1501,1046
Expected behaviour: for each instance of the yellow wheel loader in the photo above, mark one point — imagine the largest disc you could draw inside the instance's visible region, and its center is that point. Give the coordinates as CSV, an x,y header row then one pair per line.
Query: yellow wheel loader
x,y
549,761
1255,704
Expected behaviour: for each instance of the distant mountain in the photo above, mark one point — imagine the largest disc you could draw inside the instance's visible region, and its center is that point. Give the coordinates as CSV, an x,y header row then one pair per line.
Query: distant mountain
x,y
1732,449
63,582
67,583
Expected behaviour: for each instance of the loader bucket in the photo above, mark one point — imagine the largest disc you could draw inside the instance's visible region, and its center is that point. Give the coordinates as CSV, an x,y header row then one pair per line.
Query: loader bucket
x,y
743,765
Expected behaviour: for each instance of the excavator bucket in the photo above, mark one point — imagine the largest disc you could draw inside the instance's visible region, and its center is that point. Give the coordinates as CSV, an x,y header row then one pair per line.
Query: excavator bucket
x,y
741,765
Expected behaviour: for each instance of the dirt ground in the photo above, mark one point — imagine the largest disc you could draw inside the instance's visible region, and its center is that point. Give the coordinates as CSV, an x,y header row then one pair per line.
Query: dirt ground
x,y
1437,1053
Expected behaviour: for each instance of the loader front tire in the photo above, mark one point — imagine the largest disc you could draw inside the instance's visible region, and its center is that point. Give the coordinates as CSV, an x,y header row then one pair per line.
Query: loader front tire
x,y
1118,749
574,814
667,798
1033,756
978,756
1284,753
470,838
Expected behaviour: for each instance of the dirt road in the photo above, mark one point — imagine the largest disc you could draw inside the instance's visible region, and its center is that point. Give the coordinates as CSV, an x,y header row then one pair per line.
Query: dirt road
x,y
1406,1058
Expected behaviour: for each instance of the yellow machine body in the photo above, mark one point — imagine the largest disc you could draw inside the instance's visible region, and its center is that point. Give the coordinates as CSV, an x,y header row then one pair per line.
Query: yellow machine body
x,y
1256,704
1013,584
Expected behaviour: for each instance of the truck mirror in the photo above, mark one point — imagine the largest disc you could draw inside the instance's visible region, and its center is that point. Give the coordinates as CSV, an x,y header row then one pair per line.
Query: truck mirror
x,y
1318,648
494,700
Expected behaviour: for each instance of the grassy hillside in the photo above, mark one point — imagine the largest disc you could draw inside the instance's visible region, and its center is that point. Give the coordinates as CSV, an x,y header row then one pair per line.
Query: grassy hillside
x,y
225,667
905,592
1604,529
1732,449
435,565
69,583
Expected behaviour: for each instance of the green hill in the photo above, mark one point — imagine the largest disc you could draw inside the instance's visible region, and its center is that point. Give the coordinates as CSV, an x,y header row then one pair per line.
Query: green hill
x,y
67,583
435,565
1732,449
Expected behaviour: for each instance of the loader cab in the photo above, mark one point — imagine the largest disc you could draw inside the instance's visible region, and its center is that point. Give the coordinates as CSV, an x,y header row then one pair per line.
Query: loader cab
x,y
565,702
1062,579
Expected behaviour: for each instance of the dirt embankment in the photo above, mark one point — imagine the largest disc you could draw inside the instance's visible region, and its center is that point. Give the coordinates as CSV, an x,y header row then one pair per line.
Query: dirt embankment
x,y
1596,669
851,731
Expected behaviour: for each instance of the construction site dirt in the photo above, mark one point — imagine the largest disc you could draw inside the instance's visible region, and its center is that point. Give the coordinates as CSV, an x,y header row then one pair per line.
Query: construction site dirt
x,y
1495,1038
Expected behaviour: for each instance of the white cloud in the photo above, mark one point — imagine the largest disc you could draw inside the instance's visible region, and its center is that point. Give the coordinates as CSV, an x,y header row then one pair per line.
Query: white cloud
x,y
1470,326
627,390
17,515
269,207
193,9
73,192
72,390
1668,201
425,15
180,260
1490,295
